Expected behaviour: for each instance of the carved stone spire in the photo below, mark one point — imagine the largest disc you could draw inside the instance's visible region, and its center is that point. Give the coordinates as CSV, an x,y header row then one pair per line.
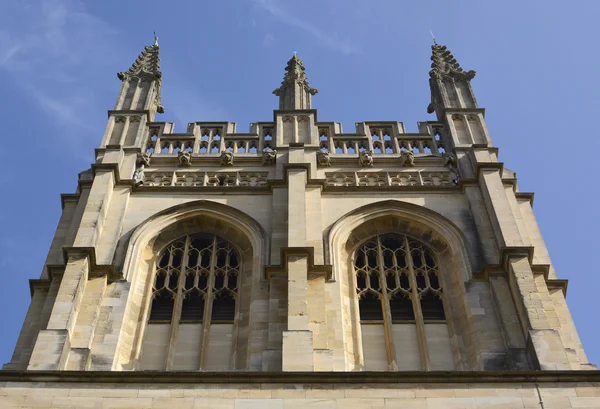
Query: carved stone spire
x,y
450,84
146,65
444,64
142,82
295,92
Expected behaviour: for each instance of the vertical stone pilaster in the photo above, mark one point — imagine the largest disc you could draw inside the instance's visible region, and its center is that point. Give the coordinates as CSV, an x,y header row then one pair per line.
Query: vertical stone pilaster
x,y
544,342
272,356
502,219
86,324
96,209
509,323
279,227
298,339
29,331
113,225
52,345
297,208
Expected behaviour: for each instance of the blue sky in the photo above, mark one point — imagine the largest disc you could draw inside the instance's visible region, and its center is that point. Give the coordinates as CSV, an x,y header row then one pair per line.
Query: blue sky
x,y
536,64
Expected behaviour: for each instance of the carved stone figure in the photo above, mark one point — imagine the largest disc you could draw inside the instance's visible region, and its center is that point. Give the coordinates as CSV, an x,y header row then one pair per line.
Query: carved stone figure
x,y
269,157
138,175
407,158
365,158
185,158
143,159
226,158
324,158
451,162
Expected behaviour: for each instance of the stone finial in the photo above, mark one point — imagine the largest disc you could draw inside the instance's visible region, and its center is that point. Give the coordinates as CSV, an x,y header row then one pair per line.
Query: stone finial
x,y
323,158
365,158
269,157
295,92
146,65
226,158
444,64
185,158
407,158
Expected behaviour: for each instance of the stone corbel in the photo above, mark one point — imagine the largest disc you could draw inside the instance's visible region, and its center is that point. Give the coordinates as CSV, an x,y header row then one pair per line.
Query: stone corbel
x,y
314,270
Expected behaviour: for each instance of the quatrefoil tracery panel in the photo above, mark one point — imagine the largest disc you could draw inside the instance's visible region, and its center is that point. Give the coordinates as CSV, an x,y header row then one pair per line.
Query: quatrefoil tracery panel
x,y
200,273
396,270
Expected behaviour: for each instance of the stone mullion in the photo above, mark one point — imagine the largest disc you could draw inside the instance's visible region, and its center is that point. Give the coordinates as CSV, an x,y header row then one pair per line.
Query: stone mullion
x,y
173,337
121,98
208,303
136,95
125,130
234,329
467,126
420,325
387,313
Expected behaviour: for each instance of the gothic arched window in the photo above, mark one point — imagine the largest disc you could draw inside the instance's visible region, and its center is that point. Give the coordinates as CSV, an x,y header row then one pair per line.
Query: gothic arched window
x,y
400,299
191,322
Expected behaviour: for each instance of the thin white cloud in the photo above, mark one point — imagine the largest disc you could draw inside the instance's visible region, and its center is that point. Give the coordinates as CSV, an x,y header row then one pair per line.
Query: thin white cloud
x,y
268,40
274,8
52,50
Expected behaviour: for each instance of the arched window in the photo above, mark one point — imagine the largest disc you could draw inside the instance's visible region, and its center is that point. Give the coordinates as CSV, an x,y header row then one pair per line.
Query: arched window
x,y
191,323
400,299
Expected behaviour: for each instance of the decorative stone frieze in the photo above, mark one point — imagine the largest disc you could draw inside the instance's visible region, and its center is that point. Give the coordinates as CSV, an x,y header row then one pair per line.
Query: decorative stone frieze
x,y
205,179
374,179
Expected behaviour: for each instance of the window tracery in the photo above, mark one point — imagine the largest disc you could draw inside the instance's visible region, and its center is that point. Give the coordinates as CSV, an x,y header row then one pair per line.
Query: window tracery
x,y
195,292
400,299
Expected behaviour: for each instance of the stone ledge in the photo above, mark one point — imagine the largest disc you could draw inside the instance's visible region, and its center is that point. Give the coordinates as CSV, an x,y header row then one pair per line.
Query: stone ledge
x,y
172,377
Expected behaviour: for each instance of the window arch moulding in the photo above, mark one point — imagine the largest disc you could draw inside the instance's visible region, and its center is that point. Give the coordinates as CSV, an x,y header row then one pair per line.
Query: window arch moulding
x,y
154,234
426,226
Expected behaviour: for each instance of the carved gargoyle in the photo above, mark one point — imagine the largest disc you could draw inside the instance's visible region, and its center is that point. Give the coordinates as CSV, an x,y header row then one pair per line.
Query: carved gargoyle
x,y
451,162
226,158
143,159
269,157
365,158
138,175
324,158
407,158
185,158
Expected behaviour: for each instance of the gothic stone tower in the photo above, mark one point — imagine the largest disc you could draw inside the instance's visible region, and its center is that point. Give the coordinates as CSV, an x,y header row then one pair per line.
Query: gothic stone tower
x,y
298,265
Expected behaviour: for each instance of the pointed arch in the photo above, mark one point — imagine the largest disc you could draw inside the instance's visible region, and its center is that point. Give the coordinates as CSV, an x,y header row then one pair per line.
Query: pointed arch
x,y
160,229
454,251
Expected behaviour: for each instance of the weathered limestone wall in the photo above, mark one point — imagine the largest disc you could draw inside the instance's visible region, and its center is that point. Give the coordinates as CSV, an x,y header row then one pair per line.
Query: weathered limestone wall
x,y
492,339
321,395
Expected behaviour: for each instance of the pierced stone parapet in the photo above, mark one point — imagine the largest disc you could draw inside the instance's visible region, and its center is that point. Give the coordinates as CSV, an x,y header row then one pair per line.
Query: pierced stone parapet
x,y
207,140
377,179
205,179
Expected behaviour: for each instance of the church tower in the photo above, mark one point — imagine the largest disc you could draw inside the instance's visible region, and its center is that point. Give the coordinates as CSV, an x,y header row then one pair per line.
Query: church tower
x,y
298,265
